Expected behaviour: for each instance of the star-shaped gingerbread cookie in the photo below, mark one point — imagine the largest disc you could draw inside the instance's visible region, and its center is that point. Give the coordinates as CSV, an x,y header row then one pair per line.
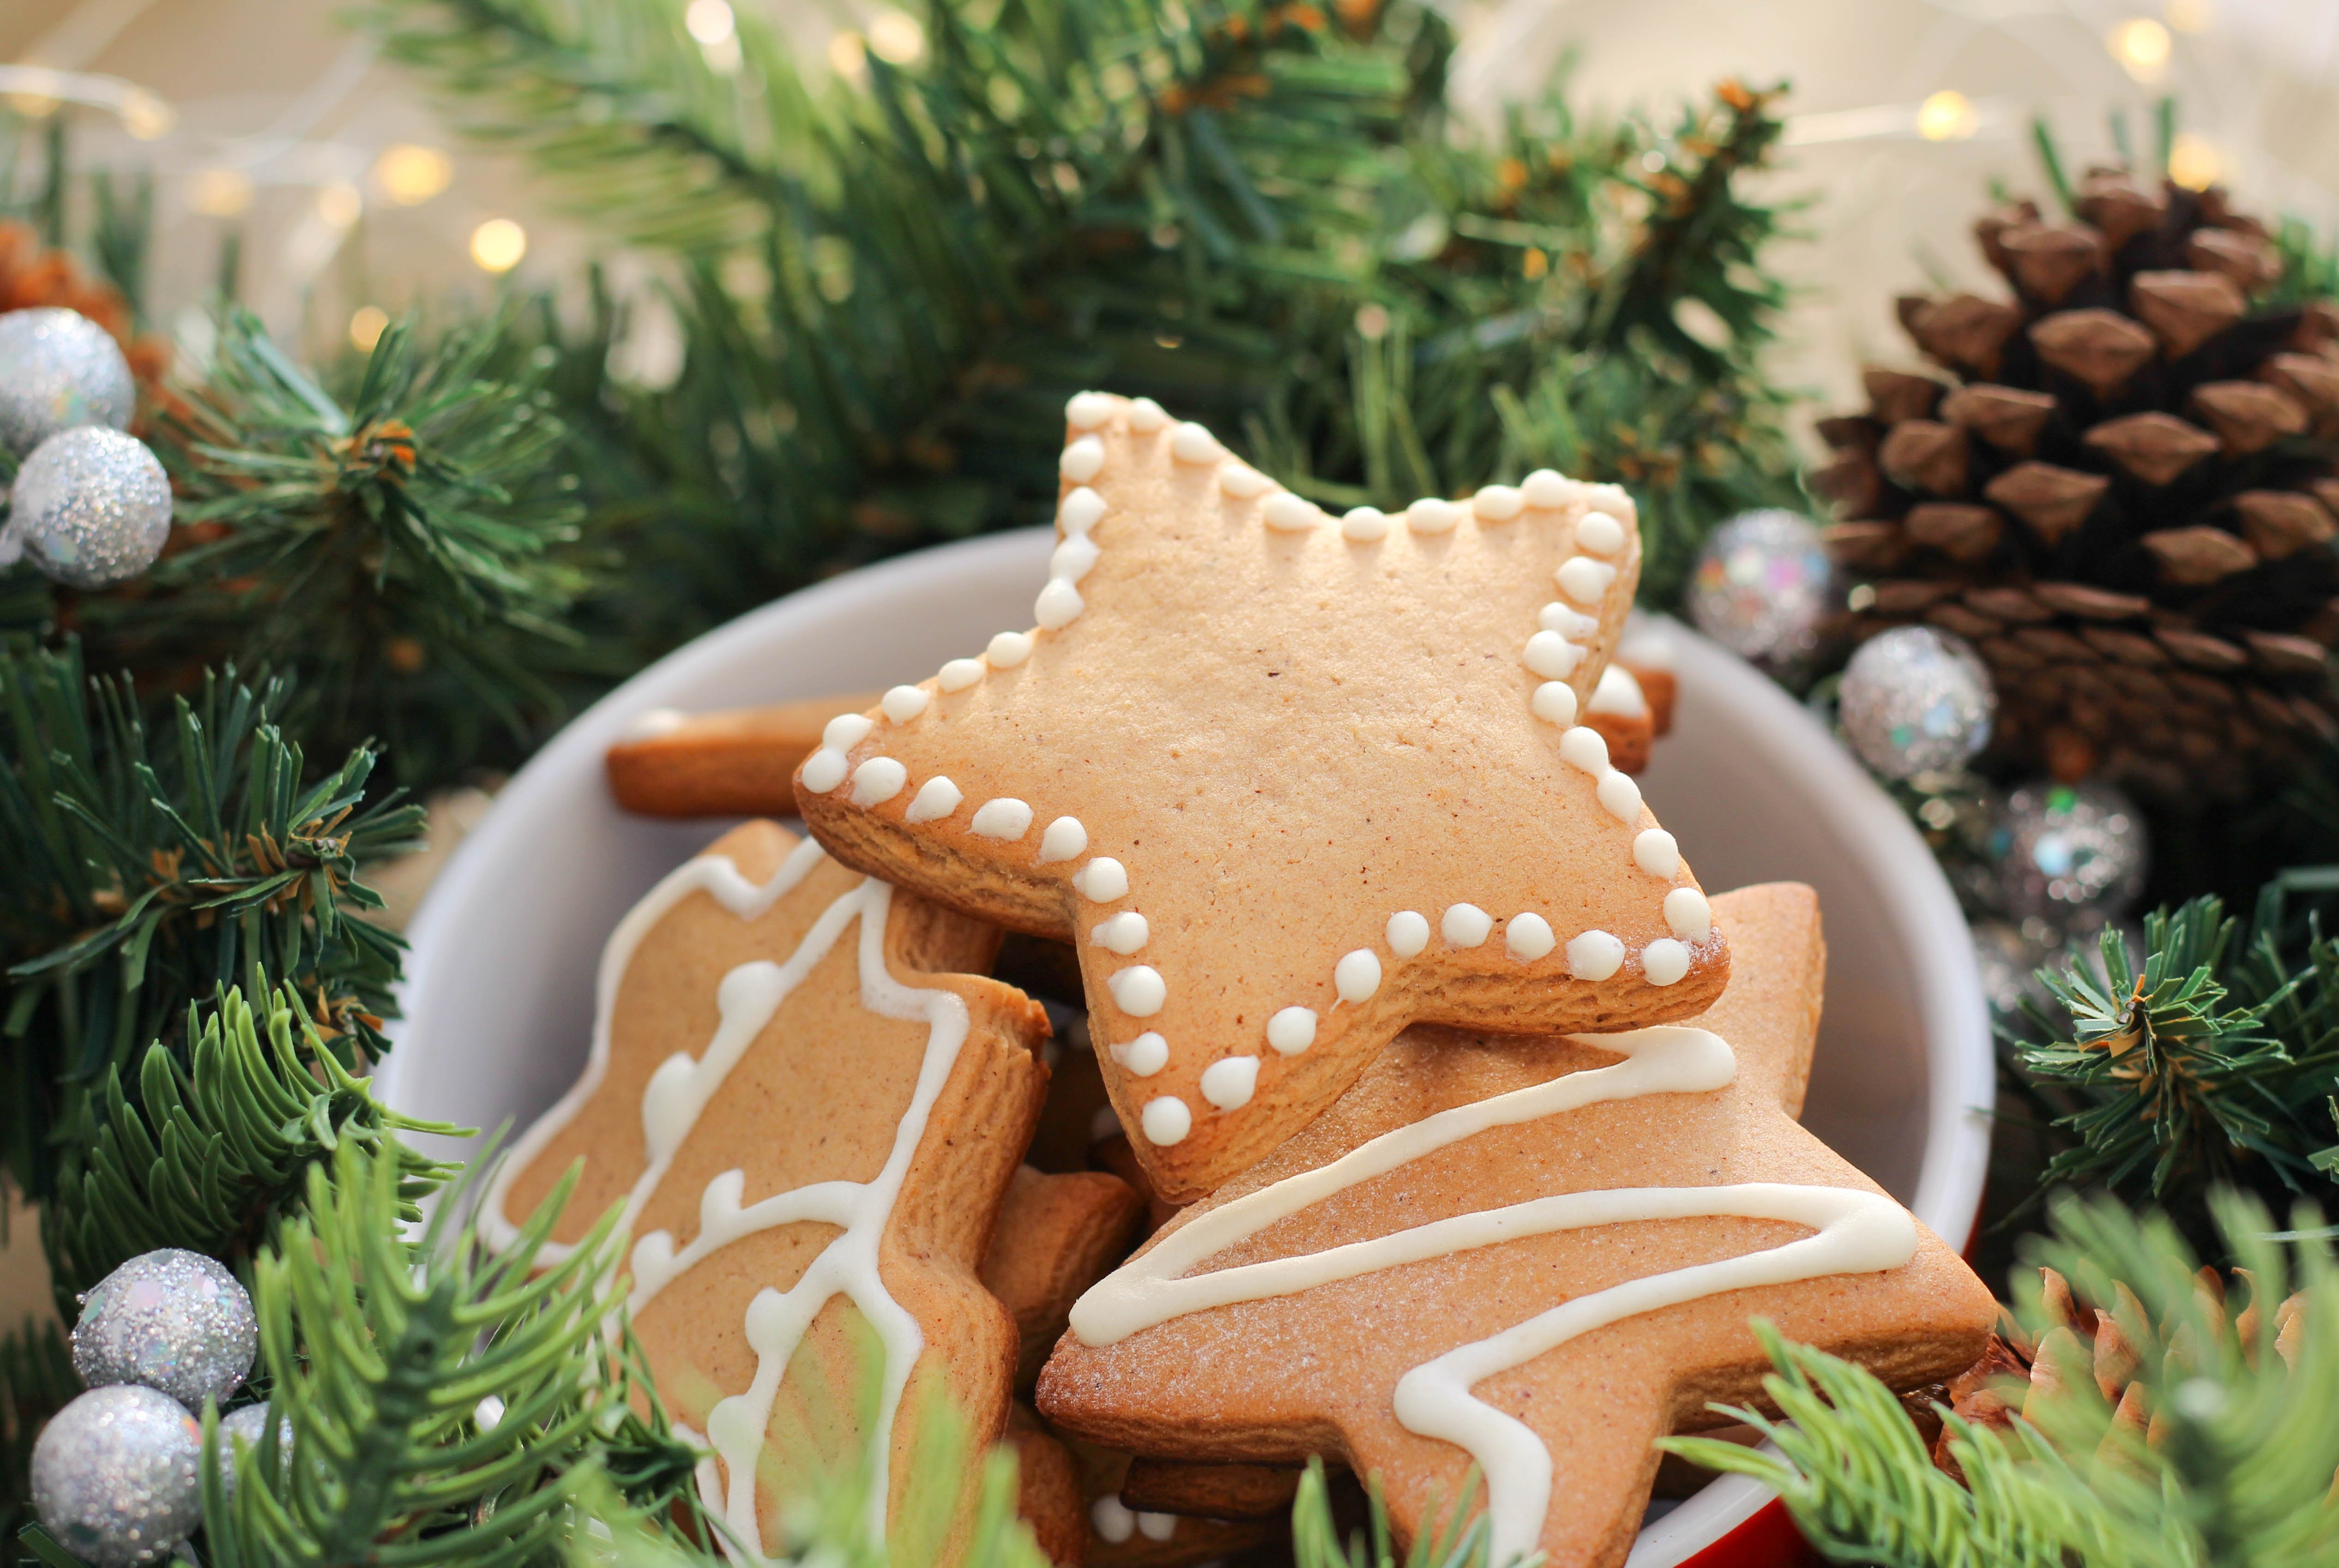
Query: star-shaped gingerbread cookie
x,y
1532,1255
811,1123
1289,782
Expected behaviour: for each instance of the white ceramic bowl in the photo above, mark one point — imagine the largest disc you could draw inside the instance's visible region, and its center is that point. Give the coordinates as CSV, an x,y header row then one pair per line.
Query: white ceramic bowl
x,y
499,987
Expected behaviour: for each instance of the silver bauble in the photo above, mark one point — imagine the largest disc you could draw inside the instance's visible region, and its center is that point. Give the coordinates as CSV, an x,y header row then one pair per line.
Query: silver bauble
x,y
1915,700
116,1476
1763,583
246,1427
2009,957
2074,854
58,368
171,1320
91,506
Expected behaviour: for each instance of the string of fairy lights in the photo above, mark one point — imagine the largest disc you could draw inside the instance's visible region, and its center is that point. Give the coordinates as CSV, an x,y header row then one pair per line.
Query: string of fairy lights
x,y
342,181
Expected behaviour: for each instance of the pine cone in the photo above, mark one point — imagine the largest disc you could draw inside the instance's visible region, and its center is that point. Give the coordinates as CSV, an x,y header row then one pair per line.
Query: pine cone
x,y
2124,490
2092,1343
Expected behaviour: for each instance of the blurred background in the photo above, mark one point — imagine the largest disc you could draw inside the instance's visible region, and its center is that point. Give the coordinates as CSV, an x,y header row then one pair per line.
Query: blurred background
x,y
292,161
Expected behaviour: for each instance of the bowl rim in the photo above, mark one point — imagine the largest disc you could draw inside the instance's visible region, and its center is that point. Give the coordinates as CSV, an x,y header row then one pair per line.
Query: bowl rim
x,y
1954,1020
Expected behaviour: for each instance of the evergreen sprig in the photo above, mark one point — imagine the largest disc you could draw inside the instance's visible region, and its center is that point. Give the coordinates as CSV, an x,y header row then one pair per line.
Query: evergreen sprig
x,y
1261,215
216,1145
134,875
2237,1470
405,557
2214,1063
1461,1537
438,1405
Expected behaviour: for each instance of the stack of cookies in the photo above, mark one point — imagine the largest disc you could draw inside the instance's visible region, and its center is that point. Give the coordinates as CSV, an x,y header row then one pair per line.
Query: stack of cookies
x,y
1406,1101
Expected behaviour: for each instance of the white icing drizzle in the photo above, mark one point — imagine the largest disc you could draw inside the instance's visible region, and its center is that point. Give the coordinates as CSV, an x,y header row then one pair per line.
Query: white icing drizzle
x,y
1855,1233
679,1093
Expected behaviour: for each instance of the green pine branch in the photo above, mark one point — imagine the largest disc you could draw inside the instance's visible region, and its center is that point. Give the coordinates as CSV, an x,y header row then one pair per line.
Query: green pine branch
x,y
138,872
380,1358
405,555
215,1147
1461,1537
1261,216
2244,1434
2214,1063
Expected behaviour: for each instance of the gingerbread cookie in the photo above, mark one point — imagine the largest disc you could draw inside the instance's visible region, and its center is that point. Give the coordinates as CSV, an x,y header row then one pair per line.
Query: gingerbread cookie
x,y
1532,1255
1290,783
811,1124
1057,1235
739,762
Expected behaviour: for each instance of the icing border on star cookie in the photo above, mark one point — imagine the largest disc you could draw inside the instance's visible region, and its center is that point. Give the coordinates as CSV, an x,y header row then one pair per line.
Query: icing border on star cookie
x,y
749,996
1553,652
1856,1232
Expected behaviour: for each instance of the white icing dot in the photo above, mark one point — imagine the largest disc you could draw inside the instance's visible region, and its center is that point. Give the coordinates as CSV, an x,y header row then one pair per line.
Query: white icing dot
x,y
1574,624
1073,558
1124,933
1656,852
1357,975
655,722
1663,961
1081,511
878,780
1497,504
1622,795
1618,693
1583,579
1364,524
1599,533
1408,932
1611,499
1292,1031
1146,416
1058,605
1190,443
1137,990
1688,913
1554,703
1242,481
1112,1517
935,799
902,704
1289,514
1166,1120
1143,1057
1228,1084
1552,656
1585,747
1595,955
824,770
1546,488
1064,840
1102,880
1087,410
846,731
1008,649
1432,516
1529,937
1005,818
1082,460
1466,925
1157,1526
958,675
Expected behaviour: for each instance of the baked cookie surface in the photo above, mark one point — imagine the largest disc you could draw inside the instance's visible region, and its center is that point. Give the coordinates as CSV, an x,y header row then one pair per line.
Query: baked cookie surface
x,y
1290,783
811,1125
1534,1255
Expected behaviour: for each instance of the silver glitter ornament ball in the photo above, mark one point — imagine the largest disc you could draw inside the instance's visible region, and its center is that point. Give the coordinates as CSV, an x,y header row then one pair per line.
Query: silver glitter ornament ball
x,y
116,1476
171,1320
2074,854
246,1427
1914,701
1762,584
58,370
2009,957
91,506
